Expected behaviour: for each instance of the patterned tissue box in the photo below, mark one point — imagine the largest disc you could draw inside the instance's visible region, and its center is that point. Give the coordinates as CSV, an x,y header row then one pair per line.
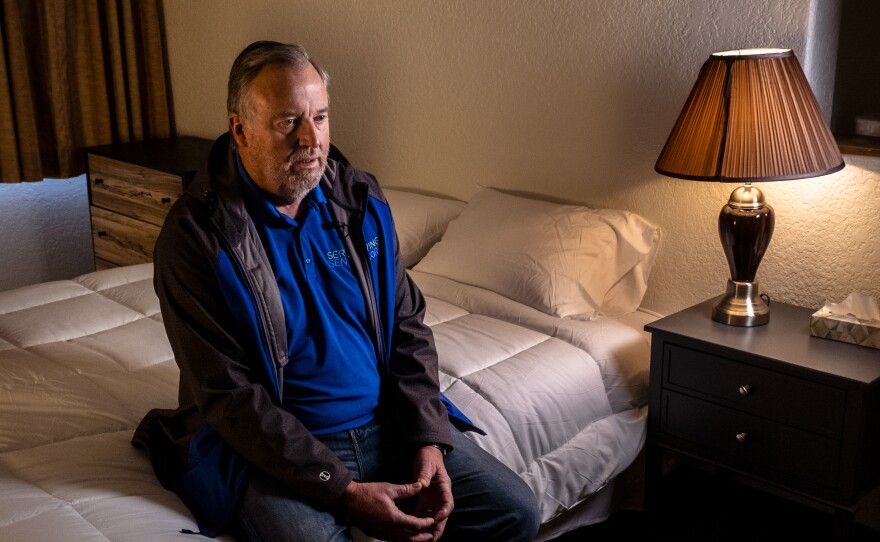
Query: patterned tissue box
x,y
847,328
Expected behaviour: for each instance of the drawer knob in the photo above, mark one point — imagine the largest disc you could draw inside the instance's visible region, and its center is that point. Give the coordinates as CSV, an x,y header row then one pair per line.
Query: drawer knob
x,y
166,200
741,437
744,389
99,180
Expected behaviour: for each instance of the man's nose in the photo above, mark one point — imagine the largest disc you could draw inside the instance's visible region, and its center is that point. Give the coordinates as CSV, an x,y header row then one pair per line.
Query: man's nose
x,y
307,135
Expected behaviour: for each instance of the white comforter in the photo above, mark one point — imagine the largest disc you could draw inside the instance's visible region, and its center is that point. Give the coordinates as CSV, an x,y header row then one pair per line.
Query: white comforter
x,y
81,361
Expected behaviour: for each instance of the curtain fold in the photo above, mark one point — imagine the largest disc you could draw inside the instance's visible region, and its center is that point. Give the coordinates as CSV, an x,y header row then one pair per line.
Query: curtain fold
x,y
78,73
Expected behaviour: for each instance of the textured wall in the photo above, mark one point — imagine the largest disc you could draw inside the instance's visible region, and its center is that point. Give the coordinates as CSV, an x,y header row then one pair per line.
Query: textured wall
x,y
570,99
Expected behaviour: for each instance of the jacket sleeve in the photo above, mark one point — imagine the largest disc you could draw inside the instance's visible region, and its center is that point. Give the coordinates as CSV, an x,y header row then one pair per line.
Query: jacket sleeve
x,y
413,365
221,370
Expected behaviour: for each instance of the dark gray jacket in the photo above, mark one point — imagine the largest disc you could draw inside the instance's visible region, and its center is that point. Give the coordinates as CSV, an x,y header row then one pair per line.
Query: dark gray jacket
x,y
223,315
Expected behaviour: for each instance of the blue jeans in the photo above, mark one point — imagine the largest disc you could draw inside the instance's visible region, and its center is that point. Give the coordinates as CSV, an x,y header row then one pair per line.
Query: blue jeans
x,y
491,502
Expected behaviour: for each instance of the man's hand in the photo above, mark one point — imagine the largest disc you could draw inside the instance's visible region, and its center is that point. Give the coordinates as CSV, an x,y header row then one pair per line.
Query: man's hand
x,y
435,498
371,507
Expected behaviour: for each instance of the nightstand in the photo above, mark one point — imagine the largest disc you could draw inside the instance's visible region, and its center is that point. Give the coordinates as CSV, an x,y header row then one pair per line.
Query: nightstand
x,y
796,413
131,189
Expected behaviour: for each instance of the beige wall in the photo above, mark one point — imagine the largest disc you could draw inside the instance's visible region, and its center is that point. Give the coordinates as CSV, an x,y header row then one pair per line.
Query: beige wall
x,y
569,99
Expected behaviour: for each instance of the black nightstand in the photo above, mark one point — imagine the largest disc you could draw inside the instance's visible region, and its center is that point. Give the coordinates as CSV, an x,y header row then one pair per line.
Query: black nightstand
x,y
795,412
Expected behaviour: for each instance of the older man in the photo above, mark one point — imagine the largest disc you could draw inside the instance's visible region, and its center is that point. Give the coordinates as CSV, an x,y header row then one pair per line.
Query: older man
x,y
309,398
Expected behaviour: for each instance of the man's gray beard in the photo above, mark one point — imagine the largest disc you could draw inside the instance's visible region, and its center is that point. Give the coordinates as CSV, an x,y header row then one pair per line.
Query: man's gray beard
x,y
294,187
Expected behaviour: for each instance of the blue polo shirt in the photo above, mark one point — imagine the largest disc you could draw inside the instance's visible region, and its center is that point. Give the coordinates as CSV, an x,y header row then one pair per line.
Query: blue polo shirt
x,y
331,381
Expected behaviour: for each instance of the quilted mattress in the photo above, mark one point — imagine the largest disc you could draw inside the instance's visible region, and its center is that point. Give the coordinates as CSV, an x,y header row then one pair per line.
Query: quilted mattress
x,y
81,361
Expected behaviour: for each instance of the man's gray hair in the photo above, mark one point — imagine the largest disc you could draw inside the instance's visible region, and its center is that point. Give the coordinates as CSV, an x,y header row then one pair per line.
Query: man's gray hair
x,y
254,58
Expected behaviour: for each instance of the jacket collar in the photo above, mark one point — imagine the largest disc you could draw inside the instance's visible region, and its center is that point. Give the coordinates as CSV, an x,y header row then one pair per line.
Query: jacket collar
x,y
219,187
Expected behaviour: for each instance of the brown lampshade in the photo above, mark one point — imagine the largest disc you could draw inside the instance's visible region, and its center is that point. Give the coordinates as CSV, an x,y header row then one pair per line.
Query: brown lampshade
x,y
750,117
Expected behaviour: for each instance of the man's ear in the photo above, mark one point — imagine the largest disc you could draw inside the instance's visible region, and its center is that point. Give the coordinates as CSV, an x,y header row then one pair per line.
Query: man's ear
x,y
236,128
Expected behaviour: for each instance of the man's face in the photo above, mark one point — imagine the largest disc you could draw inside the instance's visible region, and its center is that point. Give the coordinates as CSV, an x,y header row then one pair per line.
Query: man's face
x,y
284,133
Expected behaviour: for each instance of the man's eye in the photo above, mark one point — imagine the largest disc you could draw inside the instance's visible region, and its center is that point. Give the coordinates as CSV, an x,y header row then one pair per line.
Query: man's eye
x,y
287,123
321,118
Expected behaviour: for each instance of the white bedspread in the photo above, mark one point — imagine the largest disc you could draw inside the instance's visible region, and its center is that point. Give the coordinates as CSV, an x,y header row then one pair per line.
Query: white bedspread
x,y
82,361
563,401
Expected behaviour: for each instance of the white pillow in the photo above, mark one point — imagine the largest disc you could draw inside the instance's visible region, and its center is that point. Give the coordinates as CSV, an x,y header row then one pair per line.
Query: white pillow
x,y
420,221
564,260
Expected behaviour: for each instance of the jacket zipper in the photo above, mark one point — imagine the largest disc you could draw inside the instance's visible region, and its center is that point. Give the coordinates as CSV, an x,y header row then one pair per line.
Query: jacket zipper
x,y
366,274
371,296
261,318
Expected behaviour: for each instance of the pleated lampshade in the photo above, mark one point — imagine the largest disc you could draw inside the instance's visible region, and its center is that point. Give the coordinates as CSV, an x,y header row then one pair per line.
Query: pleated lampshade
x,y
750,117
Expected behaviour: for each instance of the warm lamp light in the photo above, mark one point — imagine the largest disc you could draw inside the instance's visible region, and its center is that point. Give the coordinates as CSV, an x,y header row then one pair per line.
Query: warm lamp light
x,y
750,117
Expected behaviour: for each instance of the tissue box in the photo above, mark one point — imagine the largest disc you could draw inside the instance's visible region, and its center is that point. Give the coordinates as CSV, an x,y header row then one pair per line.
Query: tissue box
x,y
845,328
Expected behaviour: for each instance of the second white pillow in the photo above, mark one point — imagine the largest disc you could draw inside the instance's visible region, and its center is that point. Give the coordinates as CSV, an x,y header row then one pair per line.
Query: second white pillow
x,y
564,260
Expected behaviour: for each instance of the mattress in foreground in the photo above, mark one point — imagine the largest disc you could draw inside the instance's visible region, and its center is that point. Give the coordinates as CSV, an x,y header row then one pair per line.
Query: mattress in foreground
x,y
82,361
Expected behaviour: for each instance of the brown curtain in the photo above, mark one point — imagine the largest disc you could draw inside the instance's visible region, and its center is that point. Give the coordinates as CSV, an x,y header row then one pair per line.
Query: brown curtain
x,y
77,73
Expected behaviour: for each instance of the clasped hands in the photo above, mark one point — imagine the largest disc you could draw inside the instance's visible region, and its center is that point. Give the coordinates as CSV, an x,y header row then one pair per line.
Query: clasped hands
x,y
372,506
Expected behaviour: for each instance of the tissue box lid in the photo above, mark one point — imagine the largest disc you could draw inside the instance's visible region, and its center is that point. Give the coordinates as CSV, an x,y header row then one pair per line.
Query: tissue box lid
x,y
849,329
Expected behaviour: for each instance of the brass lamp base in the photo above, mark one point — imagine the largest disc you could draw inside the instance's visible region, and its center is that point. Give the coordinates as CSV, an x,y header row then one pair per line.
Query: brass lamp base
x,y
741,305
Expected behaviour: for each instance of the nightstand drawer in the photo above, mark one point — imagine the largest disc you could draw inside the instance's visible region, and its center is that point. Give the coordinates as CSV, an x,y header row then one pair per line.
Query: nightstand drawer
x,y
779,397
775,448
135,191
121,240
806,426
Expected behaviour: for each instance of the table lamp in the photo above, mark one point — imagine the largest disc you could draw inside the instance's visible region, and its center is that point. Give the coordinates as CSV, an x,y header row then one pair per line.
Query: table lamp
x,y
750,117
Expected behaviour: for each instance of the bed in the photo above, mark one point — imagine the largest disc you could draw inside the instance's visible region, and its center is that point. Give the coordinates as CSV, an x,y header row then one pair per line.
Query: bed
x,y
554,369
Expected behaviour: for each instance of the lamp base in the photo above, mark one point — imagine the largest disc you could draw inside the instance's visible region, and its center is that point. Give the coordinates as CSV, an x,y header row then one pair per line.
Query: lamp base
x,y
741,305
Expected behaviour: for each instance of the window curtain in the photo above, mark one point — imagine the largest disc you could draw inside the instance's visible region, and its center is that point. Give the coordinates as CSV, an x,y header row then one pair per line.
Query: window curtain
x,y
77,73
